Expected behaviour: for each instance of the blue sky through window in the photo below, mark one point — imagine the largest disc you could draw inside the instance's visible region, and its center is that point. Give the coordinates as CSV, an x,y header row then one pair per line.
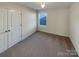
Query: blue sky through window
x,y
43,19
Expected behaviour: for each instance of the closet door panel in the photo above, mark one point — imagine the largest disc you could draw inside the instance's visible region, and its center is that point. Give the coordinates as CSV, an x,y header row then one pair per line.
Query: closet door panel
x,y
14,27
3,28
9,28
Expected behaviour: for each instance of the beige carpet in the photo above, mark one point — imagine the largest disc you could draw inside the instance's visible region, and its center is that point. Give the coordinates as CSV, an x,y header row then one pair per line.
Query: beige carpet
x,y
41,45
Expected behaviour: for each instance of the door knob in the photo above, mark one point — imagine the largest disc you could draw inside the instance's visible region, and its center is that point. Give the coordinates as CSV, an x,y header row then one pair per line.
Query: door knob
x,y
8,30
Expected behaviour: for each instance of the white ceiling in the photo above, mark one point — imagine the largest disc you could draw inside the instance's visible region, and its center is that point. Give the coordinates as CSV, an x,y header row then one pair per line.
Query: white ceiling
x,y
37,6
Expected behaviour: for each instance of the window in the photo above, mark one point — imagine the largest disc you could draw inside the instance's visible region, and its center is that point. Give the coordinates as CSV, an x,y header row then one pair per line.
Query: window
x,y
43,18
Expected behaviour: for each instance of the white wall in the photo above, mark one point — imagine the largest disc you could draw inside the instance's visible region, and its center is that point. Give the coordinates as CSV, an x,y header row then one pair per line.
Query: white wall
x,y
57,21
74,25
28,22
28,18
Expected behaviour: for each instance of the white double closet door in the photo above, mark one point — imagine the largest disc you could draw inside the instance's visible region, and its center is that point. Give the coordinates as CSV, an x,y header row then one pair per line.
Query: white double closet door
x,y
14,26
3,28
10,28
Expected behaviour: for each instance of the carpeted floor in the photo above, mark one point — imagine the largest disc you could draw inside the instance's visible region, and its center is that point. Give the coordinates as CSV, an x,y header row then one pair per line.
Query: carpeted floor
x,y
42,45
